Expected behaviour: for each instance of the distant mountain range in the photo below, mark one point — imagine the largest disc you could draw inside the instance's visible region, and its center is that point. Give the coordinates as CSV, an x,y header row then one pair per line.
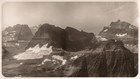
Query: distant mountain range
x,y
16,33
82,54
108,58
121,30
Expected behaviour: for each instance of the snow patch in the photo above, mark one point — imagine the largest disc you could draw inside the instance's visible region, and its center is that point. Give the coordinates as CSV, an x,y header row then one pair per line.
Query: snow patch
x,y
54,61
45,61
34,53
75,57
101,38
121,35
105,30
17,44
20,63
37,49
60,58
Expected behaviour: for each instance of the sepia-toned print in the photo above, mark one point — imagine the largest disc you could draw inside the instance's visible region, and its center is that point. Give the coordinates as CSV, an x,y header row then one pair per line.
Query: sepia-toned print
x,y
70,39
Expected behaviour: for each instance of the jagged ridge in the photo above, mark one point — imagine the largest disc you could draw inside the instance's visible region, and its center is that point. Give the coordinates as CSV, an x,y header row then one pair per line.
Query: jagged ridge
x,y
68,39
114,61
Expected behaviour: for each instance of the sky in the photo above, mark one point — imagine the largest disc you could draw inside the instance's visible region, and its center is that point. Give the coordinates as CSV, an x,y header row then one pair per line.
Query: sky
x,y
87,16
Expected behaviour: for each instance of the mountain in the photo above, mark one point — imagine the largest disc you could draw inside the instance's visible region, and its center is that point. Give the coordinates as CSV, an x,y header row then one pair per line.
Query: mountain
x,y
121,30
57,52
68,39
110,59
79,40
34,29
50,34
16,33
114,60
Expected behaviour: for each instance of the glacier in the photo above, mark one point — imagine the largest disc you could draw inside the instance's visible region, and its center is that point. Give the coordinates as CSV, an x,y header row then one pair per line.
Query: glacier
x,y
35,52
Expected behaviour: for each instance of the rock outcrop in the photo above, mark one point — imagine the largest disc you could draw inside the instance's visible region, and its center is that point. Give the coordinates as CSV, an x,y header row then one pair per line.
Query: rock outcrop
x,y
68,39
50,34
79,40
121,30
114,61
17,32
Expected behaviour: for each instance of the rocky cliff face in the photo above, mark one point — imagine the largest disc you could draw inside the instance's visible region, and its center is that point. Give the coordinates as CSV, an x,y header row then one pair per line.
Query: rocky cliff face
x,y
121,30
82,71
50,34
17,32
114,61
79,40
119,60
68,39
25,33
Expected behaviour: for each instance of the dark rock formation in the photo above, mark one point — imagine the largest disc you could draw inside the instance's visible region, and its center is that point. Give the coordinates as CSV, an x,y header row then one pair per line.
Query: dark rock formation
x,y
119,60
114,61
68,39
82,71
50,34
25,33
136,63
79,40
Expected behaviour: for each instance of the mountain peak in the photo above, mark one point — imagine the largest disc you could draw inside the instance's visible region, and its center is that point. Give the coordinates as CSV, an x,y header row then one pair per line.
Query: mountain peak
x,y
17,32
70,29
120,24
120,30
67,39
46,25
